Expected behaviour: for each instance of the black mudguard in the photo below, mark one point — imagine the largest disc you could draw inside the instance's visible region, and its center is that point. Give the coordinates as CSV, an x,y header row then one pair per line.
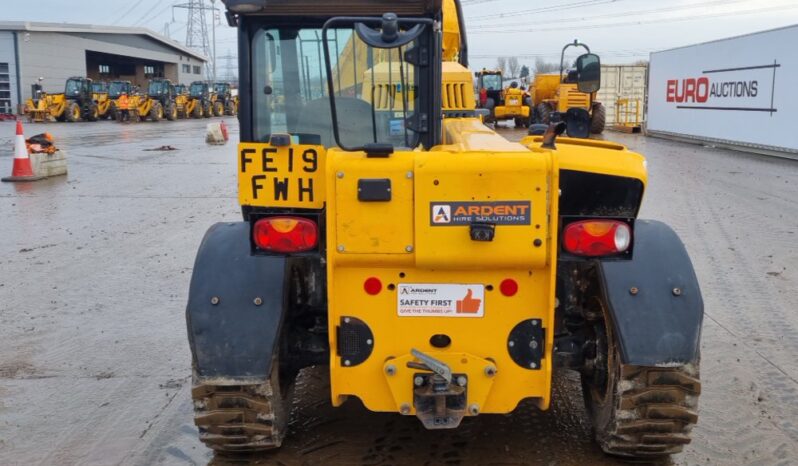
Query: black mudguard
x,y
236,337
654,299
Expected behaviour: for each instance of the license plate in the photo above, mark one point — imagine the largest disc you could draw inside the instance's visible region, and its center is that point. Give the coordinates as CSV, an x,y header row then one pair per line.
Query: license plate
x,y
513,101
440,300
290,176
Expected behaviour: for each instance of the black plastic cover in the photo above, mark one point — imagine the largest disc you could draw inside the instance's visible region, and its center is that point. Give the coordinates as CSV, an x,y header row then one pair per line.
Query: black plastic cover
x,y
654,299
235,305
374,190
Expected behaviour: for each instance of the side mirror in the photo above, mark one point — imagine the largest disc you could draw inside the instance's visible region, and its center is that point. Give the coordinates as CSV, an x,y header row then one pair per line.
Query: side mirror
x,y
588,70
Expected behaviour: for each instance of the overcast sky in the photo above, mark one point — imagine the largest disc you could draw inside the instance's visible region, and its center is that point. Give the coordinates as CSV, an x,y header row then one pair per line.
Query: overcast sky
x,y
621,31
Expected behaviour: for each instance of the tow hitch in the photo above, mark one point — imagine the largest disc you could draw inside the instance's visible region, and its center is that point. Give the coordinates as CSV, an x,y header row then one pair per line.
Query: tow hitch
x,y
438,395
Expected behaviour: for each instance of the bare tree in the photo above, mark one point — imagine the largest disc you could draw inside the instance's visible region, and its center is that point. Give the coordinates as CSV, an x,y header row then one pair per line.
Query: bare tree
x,y
543,67
513,67
501,63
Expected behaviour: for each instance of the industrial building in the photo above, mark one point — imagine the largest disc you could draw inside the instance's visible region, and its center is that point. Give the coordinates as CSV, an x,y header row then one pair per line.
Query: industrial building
x,y
56,51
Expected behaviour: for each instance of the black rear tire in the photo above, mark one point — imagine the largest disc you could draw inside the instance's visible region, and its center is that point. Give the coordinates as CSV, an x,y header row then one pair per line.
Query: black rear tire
x,y
243,418
207,110
171,111
94,113
218,108
156,112
196,112
544,113
638,411
598,119
72,112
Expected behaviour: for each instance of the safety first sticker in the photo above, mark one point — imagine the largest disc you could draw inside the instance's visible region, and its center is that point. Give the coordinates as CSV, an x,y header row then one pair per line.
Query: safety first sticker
x,y
440,300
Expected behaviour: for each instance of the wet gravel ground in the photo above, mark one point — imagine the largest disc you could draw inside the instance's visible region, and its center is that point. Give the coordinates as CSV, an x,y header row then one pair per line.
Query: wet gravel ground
x,y
94,271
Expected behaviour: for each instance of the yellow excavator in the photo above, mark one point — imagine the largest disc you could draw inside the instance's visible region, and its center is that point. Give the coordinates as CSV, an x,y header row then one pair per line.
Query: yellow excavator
x,y
436,269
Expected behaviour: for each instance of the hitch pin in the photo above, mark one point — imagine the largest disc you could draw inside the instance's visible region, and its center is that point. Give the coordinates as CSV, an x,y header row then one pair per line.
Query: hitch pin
x,y
434,365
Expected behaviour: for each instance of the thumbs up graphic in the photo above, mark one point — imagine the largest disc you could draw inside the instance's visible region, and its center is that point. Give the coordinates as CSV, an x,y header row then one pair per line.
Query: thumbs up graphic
x,y
468,305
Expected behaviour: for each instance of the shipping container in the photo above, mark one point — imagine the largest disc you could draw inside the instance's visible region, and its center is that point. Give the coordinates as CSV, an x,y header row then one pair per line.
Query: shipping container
x,y
622,82
738,92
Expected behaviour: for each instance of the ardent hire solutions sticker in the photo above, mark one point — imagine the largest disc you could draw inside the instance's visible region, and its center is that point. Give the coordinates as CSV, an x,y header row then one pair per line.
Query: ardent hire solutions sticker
x,y
440,300
447,213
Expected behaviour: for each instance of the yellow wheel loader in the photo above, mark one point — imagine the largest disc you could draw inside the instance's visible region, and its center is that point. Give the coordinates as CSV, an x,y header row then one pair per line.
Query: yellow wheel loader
x,y
511,103
436,269
559,98
75,104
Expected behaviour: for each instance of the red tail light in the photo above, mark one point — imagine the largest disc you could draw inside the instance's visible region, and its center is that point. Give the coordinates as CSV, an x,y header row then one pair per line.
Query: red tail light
x,y
285,234
597,237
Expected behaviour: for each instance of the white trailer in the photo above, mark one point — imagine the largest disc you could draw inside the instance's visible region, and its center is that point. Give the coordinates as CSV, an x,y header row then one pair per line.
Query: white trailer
x,y
738,92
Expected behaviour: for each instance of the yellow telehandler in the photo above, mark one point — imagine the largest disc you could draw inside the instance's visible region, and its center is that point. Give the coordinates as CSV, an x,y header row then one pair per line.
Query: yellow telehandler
x,y
115,90
510,103
199,102
435,268
76,103
99,90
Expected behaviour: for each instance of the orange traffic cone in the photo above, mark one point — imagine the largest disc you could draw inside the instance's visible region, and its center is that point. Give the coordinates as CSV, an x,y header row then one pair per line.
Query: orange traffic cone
x,y
22,170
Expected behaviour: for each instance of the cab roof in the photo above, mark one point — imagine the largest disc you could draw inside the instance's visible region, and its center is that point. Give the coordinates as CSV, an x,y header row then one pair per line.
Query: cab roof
x,y
325,8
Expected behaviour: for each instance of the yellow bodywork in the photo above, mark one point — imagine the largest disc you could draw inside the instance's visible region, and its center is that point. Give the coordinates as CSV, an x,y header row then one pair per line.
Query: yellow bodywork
x,y
513,107
48,107
103,103
458,88
401,243
560,96
473,164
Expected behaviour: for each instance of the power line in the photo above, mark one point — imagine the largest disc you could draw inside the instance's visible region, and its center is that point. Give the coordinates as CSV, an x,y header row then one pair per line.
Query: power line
x,y
127,12
612,15
639,23
547,9
147,13
155,16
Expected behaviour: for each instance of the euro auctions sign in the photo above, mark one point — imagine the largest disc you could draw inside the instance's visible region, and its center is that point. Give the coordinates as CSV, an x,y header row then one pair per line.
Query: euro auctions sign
x,y
740,91
716,90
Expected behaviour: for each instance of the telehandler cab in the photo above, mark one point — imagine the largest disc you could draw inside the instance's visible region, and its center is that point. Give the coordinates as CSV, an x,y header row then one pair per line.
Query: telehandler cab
x,y
439,270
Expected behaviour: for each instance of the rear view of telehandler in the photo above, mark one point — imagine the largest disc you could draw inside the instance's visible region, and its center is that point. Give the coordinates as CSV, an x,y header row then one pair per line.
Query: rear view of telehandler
x,y
438,270
510,103
559,98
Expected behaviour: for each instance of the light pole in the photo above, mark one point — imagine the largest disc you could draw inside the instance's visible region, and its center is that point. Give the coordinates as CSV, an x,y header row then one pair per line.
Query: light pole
x,y
213,27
